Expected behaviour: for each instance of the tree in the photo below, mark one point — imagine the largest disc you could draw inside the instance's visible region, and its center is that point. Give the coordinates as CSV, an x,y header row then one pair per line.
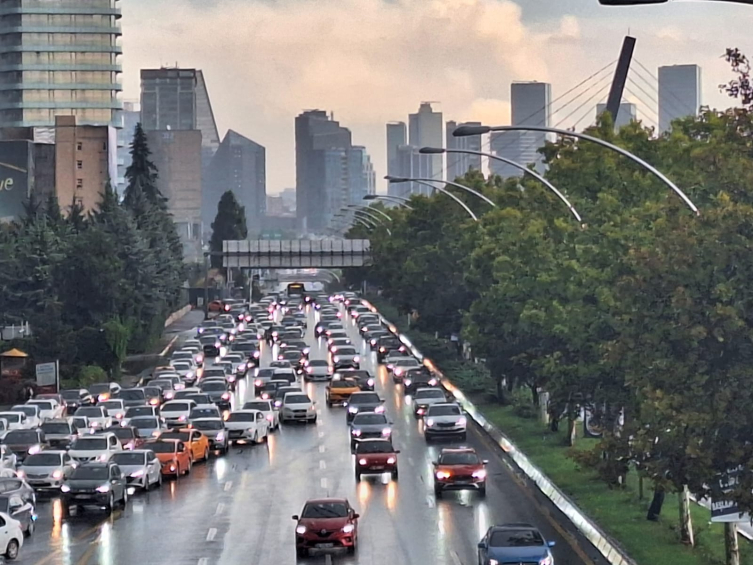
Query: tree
x,y
229,224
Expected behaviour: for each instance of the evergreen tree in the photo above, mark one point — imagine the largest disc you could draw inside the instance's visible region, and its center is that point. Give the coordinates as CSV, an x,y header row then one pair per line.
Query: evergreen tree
x,y
228,225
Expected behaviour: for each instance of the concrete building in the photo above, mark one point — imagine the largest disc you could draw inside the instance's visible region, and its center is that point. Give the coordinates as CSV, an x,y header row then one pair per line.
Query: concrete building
x,y
60,58
680,93
275,206
397,136
412,164
288,199
425,129
458,164
627,113
531,106
238,165
362,177
85,160
131,117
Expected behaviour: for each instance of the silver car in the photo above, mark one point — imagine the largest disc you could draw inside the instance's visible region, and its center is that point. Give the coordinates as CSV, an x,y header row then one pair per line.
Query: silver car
x,y
369,425
425,397
214,430
442,420
148,426
141,467
59,434
47,470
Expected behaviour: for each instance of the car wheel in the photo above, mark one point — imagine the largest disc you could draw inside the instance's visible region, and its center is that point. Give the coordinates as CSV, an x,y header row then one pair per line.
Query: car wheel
x,y
124,501
11,551
394,474
482,491
110,504
30,529
190,465
437,491
313,421
329,404
159,479
301,552
352,548
206,454
358,476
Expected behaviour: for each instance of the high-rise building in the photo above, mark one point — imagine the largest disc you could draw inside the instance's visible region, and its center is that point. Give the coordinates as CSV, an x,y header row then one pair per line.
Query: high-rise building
x,y
458,164
627,113
288,198
397,136
531,106
412,164
425,129
680,93
239,165
321,150
131,117
60,58
362,178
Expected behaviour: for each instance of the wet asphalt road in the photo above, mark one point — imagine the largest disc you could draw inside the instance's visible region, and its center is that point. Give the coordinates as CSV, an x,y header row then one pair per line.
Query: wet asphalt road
x,y
237,509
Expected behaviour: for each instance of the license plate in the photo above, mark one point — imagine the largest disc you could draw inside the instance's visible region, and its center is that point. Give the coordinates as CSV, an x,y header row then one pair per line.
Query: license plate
x,y
377,468
82,496
325,545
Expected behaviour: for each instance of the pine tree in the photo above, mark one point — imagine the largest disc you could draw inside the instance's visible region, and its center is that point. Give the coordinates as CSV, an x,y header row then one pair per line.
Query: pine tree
x,y
229,224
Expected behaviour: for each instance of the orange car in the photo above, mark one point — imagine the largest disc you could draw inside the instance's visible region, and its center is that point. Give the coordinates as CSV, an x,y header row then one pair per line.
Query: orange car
x,y
339,390
197,443
174,456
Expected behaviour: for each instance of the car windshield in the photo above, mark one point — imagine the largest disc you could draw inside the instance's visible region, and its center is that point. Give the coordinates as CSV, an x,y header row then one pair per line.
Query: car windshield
x,y
122,433
43,460
209,425
21,436
182,436
244,347
11,417
214,373
139,411
132,395
182,366
369,419
367,398
144,423
162,384
325,510
90,473
263,406
296,399
444,411
515,538
213,387
163,446
318,363
346,351
90,444
28,410
433,393
99,388
406,363
241,417
90,412
205,413
265,374
374,447
459,458
110,405
71,394
43,405
129,458
152,391
176,407
344,384
234,358
55,428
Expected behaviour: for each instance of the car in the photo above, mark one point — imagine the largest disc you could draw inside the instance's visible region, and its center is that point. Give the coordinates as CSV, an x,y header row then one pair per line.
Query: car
x,y
375,456
174,457
104,391
133,397
196,442
267,408
346,357
186,393
8,459
204,411
141,467
136,411
239,364
49,409
442,420
362,377
128,436
194,349
81,423
153,395
115,409
267,390
11,537
59,433
287,373
387,344
514,543
15,420
33,419
280,393
413,379
187,371
363,402
85,449
218,392
317,370
215,431
186,356
24,442
373,337
297,406
251,351
174,379
340,389
262,376
210,346
247,426
4,428
19,509
425,397
47,470
459,469
326,523
148,426
334,343
400,366
95,416
366,425
176,412
100,484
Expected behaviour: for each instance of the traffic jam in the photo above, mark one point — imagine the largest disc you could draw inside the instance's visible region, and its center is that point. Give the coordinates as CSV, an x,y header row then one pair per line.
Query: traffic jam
x,y
94,449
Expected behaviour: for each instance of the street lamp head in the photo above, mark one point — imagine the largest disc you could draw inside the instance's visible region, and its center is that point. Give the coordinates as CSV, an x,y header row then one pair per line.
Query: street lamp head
x,y
463,131
396,179
431,150
371,197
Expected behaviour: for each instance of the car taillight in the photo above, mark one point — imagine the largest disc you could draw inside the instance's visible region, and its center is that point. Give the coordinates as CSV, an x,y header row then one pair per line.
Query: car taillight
x,y
391,460
443,474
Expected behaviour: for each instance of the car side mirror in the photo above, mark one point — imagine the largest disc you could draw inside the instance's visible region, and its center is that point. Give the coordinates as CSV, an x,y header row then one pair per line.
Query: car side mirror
x,y
435,463
551,543
485,461
356,516
482,545
296,517
15,507
397,451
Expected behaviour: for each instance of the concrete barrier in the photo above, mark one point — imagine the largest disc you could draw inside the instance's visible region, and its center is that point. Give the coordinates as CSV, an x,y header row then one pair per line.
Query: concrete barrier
x,y
175,316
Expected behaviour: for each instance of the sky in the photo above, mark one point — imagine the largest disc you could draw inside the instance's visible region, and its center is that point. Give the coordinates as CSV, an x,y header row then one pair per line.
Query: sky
x,y
373,61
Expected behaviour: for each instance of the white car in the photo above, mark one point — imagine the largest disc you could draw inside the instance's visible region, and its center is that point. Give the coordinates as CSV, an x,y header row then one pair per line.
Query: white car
x,y
15,421
96,416
239,363
267,408
425,397
297,406
176,412
136,411
8,459
32,412
247,426
4,428
114,408
141,467
195,351
47,469
98,447
49,409
11,537
185,369
442,420
148,426
317,370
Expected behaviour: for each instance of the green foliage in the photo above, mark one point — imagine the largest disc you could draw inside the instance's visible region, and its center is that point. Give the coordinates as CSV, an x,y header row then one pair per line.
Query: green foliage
x,y
228,225
89,375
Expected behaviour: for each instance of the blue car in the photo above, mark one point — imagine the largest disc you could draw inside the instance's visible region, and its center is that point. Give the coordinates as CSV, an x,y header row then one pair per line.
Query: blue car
x,y
514,543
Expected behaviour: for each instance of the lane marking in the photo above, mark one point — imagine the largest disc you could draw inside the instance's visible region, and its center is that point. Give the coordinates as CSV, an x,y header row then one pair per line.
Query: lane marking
x,y
319,422
321,434
323,482
455,557
430,501
322,449
322,464
87,555
211,534
411,462
228,485
203,561
220,509
328,559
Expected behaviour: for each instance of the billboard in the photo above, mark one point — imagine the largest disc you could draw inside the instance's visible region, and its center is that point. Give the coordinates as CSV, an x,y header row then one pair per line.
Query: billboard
x,y
16,170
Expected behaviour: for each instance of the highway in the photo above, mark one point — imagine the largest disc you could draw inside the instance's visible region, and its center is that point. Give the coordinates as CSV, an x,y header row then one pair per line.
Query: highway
x,y
237,509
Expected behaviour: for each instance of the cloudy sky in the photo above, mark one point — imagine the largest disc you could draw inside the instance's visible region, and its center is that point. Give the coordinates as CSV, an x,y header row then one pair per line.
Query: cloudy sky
x,y
373,61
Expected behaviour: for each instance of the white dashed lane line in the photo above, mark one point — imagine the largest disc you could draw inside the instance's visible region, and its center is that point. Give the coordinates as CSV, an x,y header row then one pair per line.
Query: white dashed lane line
x,y
211,534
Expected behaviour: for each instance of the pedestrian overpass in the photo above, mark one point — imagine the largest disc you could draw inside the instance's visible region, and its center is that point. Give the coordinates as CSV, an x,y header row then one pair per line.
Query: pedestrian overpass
x,y
296,253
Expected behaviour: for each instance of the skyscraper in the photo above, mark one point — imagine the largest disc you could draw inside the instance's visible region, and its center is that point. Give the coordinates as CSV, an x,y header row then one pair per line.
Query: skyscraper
x,y
627,113
362,178
679,93
412,164
425,129
131,117
60,58
531,106
239,165
458,164
397,136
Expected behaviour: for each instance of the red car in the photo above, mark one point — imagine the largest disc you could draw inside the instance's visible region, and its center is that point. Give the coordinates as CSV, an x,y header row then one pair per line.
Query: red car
x,y
375,456
128,436
325,524
459,469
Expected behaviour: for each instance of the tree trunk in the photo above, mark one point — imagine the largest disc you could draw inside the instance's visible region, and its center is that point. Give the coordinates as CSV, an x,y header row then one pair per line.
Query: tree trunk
x,y
500,390
535,395
571,429
654,510
640,486
686,524
731,548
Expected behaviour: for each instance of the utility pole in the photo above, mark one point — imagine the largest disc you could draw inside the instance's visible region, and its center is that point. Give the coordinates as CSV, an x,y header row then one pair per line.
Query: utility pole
x,y
206,284
731,547
620,77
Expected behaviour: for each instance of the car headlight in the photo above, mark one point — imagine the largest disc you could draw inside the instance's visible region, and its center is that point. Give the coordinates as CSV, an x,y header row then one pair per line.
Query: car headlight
x,y
103,488
257,354
379,409
182,418
386,431
362,461
352,409
21,474
278,403
219,437
546,560
169,394
155,433
65,488
493,562
407,382
356,359
433,382
102,458
309,369
356,433
391,460
154,401
201,330
480,474
225,396
462,421
443,474
241,367
231,378
337,359
348,528
430,422
370,382
34,449
139,473
300,530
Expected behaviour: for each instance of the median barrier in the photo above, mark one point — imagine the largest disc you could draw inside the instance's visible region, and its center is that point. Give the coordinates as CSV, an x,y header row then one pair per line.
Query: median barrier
x,y
175,316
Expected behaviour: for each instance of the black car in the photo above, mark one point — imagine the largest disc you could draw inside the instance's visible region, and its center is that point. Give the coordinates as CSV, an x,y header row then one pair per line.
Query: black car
x,y
218,392
76,397
132,397
363,378
95,484
386,345
25,442
363,402
19,509
250,349
210,345
413,379
272,334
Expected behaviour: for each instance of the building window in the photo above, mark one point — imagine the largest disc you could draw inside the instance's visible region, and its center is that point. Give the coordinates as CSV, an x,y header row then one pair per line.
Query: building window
x,y
79,183
104,146
79,165
78,200
80,146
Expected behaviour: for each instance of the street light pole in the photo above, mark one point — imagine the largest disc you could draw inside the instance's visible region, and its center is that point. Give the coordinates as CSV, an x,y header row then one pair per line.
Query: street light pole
x,y
361,207
399,200
206,284
398,180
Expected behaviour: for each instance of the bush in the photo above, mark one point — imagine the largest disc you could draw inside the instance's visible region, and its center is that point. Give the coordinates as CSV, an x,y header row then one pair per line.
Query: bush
x,y
12,391
91,374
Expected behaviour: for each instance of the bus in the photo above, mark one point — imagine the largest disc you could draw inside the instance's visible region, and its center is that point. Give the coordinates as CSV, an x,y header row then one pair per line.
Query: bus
x,y
296,289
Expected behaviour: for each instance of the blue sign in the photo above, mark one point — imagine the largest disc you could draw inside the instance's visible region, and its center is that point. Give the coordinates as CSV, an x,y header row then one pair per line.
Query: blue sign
x,y
16,163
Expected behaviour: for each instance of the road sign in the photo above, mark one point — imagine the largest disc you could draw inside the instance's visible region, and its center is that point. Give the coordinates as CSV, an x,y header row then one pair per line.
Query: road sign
x,y
727,510
47,375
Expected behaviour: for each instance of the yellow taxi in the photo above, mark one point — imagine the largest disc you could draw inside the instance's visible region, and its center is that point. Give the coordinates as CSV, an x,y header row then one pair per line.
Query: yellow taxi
x,y
196,442
339,390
